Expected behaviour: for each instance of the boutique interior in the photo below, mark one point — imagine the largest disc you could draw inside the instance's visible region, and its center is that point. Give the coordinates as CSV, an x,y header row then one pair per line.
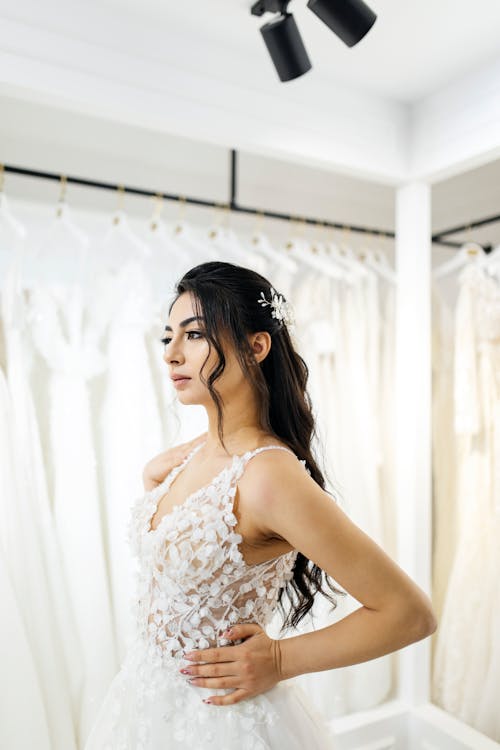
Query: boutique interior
x,y
140,139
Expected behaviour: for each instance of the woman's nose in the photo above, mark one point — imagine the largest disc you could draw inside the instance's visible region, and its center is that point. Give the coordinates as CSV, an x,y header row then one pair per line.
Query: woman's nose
x,y
172,355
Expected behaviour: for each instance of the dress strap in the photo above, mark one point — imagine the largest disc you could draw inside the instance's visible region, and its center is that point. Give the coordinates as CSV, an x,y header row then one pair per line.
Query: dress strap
x,y
247,456
250,454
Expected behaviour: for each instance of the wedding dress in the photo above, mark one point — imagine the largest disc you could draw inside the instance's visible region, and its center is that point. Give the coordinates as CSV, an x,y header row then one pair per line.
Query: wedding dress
x,y
337,338
126,415
465,677
19,668
67,356
192,583
32,556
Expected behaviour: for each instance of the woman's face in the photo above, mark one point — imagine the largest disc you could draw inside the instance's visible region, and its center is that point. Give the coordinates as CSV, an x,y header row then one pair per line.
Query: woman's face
x,y
186,349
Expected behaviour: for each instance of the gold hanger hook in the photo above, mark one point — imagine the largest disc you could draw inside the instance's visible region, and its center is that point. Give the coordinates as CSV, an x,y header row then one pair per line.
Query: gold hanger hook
x,y
120,196
119,205
182,207
301,225
158,205
62,191
289,243
62,196
259,216
217,220
2,176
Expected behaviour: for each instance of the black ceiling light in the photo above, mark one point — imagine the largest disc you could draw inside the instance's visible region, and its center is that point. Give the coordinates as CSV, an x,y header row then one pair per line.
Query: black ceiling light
x,y
283,40
349,19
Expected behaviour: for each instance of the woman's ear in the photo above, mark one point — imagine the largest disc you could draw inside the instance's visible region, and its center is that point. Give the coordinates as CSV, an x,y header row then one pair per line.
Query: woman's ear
x,y
260,343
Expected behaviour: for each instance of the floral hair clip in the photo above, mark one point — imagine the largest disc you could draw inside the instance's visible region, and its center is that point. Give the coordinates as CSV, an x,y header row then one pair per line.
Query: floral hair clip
x,y
281,309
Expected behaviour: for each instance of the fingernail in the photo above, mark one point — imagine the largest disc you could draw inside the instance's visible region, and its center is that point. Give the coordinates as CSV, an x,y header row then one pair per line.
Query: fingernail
x,y
207,700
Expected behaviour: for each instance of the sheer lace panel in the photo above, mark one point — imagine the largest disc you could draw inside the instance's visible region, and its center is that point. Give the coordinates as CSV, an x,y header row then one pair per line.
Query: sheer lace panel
x,y
193,582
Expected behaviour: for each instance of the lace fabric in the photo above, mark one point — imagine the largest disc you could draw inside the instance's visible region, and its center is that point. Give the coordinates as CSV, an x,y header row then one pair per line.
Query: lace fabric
x,y
194,581
192,584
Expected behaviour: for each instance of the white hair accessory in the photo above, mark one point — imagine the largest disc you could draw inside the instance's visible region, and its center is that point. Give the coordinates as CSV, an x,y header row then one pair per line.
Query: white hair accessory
x,y
281,309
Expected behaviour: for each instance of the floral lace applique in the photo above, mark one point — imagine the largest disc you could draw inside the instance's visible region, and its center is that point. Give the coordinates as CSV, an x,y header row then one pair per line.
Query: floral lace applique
x,y
192,583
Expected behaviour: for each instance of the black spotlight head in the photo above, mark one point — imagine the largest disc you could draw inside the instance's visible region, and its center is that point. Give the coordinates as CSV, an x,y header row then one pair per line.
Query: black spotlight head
x,y
286,47
349,19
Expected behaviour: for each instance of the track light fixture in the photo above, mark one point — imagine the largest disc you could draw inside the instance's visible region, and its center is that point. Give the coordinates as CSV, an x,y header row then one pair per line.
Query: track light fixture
x,y
349,19
283,41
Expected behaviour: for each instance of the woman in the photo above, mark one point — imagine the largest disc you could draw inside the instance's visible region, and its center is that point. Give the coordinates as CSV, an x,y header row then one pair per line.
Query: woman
x,y
231,524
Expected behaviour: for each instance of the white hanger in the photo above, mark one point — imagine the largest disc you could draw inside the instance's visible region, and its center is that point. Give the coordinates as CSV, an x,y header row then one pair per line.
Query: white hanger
x,y
491,261
263,246
61,254
468,253
300,251
63,219
7,218
13,234
120,244
225,240
367,256
160,234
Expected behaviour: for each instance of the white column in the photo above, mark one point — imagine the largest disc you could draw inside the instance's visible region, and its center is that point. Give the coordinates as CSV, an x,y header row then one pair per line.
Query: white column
x,y
413,416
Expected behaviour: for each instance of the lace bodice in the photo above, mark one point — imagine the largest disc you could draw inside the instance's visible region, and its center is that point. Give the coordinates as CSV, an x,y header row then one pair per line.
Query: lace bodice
x,y
193,582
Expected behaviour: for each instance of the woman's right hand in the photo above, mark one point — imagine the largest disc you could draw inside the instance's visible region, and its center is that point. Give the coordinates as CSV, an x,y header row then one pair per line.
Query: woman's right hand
x,y
157,469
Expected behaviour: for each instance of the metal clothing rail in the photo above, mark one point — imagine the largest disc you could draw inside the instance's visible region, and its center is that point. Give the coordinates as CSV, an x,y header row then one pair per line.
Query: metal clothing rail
x,y
438,237
232,205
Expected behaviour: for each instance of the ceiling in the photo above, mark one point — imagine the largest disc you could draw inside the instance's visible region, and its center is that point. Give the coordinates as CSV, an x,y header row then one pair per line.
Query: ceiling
x,y
413,49
140,62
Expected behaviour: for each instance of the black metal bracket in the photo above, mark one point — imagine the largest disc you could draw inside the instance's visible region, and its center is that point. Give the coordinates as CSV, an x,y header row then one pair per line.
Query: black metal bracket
x,y
269,6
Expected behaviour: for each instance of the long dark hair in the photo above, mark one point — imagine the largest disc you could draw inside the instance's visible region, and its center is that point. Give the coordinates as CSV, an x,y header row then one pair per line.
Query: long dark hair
x,y
226,296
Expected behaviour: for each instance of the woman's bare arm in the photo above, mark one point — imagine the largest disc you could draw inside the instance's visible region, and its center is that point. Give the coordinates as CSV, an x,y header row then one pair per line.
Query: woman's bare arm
x,y
395,611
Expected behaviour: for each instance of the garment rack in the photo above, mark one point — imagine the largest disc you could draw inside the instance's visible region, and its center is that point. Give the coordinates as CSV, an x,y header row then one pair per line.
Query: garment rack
x,y
438,237
232,204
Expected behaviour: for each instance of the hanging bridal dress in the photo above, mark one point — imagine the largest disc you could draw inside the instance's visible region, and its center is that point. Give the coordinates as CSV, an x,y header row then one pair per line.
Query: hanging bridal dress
x,y
466,669
65,358
192,583
20,683
126,411
338,318
31,554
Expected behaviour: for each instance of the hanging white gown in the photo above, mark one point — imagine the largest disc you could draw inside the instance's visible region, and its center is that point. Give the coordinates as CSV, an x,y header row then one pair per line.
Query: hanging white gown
x,y
193,583
67,357
31,550
19,683
466,668
127,416
339,339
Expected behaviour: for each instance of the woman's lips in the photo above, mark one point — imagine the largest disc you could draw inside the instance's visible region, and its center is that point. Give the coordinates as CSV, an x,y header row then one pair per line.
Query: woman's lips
x,y
180,382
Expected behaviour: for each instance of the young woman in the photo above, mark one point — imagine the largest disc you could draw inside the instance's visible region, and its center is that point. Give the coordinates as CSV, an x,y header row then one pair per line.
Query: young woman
x,y
231,525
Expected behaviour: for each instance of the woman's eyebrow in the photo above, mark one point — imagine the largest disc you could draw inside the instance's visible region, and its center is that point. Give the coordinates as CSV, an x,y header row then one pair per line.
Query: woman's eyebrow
x,y
184,323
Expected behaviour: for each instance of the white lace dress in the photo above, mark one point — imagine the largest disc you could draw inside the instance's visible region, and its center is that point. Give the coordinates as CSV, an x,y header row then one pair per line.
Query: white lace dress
x,y
467,657
193,583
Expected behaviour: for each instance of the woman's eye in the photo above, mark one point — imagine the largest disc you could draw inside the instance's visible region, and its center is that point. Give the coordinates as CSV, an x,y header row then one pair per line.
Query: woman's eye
x,y
167,339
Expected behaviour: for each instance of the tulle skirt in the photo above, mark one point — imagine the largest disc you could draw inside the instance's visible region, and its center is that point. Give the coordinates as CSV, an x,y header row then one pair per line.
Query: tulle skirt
x,y
151,706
